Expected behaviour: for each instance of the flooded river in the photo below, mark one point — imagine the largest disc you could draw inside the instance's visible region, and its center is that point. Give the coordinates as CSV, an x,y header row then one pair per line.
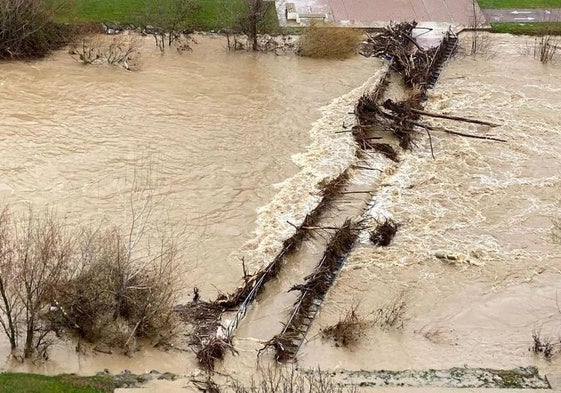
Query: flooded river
x,y
491,205
214,130
217,130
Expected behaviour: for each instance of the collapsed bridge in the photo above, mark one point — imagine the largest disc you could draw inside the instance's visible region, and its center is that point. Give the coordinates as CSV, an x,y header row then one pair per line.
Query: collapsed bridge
x,y
419,67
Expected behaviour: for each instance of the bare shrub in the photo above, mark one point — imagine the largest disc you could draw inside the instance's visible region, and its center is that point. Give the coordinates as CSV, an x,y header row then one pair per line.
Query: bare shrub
x,y
281,380
392,314
544,346
182,41
234,42
351,326
546,47
324,41
27,29
116,296
35,260
348,330
122,50
479,42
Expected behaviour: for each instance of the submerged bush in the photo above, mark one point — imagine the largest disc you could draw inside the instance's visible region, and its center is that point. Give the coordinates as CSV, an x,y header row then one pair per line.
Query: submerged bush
x,y
97,284
350,328
27,29
116,297
122,50
325,41
546,47
285,380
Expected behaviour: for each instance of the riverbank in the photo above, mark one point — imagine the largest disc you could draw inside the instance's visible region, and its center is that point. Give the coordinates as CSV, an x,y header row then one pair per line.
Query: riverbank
x,y
204,15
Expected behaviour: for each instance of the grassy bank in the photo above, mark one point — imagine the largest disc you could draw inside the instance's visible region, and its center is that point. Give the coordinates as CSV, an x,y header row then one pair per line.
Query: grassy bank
x,y
211,15
537,28
34,383
519,4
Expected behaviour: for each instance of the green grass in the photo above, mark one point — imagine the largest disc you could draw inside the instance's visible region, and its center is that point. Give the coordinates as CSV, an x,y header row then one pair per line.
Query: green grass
x,y
212,14
34,383
538,28
519,3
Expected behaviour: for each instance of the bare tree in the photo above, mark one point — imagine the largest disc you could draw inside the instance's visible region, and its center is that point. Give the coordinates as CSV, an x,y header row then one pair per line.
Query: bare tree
x,y
170,22
27,28
479,39
127,279
252,19
10,308
36,254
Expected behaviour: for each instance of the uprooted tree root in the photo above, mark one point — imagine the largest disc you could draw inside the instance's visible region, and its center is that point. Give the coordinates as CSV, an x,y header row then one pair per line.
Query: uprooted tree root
x,y
384,233
313,291
348,330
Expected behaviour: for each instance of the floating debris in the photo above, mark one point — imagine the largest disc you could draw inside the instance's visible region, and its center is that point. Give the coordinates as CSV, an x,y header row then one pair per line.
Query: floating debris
x,y
384,233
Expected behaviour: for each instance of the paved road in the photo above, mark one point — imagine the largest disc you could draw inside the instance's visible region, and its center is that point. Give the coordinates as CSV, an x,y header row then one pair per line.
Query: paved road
x,y
380,12
450,11
523,15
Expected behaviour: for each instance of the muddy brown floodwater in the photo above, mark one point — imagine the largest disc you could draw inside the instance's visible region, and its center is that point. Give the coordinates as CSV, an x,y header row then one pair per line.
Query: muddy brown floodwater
x,y
216,130
490,204
220,129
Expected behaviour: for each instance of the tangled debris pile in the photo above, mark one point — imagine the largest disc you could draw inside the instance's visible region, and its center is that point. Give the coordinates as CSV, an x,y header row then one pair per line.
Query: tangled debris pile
x,y
384,232
406,56
417,67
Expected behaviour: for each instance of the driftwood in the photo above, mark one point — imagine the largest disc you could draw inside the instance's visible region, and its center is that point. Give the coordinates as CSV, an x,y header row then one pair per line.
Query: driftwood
x,y
401,118
405,109
214,350
456,118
